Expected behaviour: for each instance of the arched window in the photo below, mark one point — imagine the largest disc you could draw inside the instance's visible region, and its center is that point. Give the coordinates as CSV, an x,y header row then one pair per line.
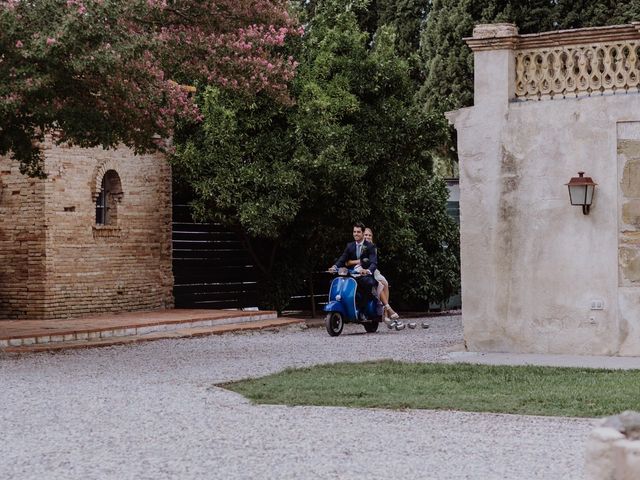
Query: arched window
x,y
108,198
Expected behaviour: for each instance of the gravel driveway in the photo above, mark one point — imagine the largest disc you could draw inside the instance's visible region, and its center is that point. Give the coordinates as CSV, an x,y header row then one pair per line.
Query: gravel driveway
x,y
151,412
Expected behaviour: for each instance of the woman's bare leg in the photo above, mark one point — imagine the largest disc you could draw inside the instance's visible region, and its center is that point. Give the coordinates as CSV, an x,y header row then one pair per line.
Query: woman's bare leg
x,y
384,298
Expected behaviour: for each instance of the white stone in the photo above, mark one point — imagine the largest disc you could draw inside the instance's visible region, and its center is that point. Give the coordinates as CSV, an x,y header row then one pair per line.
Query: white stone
x,y
627,455
145,330
600,455
494,30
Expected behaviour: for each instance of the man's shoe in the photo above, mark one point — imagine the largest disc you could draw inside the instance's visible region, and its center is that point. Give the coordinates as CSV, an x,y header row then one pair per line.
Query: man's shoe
x,y
391,313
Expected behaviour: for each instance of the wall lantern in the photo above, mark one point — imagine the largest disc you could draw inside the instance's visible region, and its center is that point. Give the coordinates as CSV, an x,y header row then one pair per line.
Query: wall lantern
x,y
581,190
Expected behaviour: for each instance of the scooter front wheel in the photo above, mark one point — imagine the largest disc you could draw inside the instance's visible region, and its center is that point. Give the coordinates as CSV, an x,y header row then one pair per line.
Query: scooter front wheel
x,y
334,323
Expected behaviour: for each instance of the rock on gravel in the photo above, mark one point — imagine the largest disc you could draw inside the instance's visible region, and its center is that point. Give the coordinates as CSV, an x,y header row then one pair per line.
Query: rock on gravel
x,y
151,412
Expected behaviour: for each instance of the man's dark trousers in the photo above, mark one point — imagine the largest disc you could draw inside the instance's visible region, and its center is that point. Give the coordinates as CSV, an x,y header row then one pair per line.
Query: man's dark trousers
x,y
365,285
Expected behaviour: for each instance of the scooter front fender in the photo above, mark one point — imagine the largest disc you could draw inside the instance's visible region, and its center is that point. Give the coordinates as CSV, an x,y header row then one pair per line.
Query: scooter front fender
x,y
336,306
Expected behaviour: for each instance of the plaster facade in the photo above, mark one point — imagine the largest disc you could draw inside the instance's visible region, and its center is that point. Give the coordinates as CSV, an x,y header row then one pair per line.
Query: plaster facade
x,y
533,266
56,262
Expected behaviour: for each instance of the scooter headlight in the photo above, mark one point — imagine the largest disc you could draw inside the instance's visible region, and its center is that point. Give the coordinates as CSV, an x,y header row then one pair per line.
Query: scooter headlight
x,y
338,298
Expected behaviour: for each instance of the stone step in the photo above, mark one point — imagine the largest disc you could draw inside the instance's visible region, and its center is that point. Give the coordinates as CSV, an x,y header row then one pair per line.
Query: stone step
x,y
195,331
52,332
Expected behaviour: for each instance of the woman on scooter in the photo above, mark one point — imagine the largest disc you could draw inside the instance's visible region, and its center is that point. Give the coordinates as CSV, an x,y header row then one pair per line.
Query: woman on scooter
x,y
383,285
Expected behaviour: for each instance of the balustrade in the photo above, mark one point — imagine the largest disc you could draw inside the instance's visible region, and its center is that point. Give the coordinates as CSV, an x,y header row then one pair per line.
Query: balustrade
x,y
572,71
559,64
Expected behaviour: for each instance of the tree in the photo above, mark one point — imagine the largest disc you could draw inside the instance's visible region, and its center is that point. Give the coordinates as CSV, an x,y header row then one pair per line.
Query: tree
x,y
593,13
404,16
105,72
291,180
447,62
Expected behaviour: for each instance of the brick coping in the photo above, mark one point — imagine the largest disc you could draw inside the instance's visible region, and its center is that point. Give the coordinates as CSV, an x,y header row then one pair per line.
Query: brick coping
x,y
28,332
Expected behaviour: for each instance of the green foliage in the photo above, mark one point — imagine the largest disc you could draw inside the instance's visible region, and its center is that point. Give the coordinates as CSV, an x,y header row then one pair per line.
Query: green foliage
x,y
238,166
447,62
420,246
526,390
292,179
405,17
594,13
103,72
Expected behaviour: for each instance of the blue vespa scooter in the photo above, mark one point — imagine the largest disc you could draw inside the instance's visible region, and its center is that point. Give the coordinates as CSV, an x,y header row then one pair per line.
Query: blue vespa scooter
x,y
342,307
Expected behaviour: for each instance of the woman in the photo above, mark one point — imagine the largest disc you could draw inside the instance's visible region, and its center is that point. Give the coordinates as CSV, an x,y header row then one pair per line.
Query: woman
x,y
383,285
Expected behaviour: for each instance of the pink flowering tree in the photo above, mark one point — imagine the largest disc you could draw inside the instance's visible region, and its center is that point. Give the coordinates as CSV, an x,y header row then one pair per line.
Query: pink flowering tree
x,y
109,72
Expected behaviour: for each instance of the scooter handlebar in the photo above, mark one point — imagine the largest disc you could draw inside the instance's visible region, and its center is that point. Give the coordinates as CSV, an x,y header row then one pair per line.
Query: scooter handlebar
x,y
344,272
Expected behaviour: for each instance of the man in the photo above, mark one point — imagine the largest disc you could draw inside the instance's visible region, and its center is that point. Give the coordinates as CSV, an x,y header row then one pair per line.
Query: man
x,y
365,251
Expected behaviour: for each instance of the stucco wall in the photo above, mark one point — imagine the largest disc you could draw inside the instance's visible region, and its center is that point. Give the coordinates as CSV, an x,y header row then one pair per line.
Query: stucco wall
x,y
87,268
531,263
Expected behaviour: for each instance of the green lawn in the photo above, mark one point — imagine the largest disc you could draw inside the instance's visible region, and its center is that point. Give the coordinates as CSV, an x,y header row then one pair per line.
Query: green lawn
x,y
476,388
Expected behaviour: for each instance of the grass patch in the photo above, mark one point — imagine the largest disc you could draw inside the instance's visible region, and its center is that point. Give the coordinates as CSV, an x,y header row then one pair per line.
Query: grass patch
x,y
529,390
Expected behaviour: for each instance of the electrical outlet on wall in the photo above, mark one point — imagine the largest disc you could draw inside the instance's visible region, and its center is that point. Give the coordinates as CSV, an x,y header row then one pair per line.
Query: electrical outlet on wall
x,y
597,304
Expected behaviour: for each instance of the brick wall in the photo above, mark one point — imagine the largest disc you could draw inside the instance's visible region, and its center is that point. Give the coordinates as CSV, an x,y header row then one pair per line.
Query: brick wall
x,y
22,243
76,266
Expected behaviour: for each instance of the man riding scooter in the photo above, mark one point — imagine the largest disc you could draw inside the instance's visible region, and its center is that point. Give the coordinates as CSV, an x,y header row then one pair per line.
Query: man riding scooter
x,y
365,251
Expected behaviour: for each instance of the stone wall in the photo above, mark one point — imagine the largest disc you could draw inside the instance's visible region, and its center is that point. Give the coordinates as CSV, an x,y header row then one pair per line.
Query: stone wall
x,y
533,266
75,266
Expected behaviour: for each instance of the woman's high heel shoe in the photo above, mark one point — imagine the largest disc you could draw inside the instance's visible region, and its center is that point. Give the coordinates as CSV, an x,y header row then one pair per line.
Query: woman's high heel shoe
x,y
391,313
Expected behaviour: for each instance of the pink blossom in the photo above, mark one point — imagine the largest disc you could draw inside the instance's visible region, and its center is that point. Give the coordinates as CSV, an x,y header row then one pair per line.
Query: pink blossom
x,y
50,41
19,44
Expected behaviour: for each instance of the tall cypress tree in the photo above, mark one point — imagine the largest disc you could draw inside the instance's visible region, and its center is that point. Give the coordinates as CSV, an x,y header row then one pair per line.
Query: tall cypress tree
x,y
447,62
406,17
593,13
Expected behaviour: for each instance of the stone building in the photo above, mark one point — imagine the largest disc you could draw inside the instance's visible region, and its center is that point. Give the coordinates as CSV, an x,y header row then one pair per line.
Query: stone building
x,y
93,237
538,275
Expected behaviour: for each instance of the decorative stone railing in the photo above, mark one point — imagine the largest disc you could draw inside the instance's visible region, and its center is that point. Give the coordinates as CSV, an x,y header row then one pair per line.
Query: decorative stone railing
x,y
579,70
567,63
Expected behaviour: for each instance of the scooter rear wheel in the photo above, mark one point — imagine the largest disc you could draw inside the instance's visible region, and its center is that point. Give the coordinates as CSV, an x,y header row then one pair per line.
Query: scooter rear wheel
x,y
334,323
371,327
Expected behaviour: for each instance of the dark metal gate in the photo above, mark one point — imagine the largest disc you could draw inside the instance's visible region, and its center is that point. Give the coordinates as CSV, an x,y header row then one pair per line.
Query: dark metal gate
x,y
210,267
